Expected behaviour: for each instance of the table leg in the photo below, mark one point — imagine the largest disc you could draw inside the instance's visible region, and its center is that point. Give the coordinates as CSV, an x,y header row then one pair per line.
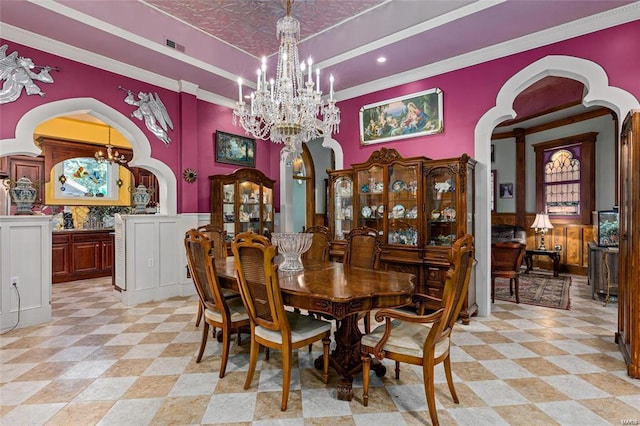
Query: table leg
x,y
345,358
528,260
556,264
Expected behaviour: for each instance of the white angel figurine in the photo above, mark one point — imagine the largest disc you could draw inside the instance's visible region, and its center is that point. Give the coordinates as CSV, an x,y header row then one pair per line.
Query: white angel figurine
x,y
16,73
153,112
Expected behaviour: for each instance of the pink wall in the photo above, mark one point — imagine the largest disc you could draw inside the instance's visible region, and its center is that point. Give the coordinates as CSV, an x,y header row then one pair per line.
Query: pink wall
x,y
468,94
472,91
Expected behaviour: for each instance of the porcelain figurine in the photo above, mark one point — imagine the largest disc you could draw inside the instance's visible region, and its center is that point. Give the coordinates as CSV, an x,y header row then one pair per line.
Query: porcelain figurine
x,y
23,194
141,197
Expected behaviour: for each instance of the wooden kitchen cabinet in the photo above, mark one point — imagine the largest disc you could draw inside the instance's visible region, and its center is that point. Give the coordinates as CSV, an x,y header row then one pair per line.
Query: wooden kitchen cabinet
x,y
79,255
32,168
148,179
4,166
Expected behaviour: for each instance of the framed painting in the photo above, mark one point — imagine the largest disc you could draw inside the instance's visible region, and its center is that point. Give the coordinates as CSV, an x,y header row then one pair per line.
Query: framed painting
x,y
404,117
506,190
235,149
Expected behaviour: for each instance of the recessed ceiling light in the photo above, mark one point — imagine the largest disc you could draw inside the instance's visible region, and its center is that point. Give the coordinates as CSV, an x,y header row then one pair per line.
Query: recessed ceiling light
x,y
381,59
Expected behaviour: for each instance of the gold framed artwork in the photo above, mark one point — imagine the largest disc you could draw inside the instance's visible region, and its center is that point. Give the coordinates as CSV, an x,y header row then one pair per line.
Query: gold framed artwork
x,y
235,149
403,117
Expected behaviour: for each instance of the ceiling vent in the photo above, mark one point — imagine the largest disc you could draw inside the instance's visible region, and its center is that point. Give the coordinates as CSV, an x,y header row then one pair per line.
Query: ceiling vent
x,y
172,44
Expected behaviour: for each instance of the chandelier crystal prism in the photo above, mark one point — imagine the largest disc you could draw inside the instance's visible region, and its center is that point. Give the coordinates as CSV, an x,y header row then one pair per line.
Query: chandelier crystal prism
x,y
288,110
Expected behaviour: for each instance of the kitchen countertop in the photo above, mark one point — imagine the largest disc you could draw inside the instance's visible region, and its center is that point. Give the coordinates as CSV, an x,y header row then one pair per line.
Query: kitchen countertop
x,y
60,231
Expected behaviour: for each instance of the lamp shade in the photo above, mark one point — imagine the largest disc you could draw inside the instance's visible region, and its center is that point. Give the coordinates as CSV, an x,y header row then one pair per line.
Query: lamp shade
x,y
542,222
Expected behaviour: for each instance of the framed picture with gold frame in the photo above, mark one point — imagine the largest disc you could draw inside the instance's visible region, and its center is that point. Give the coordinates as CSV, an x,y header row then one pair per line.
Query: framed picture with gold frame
x,y
404,117
235,149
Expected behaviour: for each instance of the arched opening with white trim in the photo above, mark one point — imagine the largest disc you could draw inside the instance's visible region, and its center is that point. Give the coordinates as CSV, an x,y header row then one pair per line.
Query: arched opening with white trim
x,y
595,80
23,144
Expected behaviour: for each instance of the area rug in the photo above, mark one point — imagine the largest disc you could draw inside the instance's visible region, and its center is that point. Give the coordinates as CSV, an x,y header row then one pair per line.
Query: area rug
x,y
538,290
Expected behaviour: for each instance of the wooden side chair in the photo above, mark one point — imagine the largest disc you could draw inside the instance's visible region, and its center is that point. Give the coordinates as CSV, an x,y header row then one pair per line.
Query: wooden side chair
x,y
271,325
363,250
320,246
506,260
218,238
422,339
227,314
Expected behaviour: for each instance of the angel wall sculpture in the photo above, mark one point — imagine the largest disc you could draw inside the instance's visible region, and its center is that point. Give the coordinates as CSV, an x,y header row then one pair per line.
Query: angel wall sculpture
x,y
152,111
16,73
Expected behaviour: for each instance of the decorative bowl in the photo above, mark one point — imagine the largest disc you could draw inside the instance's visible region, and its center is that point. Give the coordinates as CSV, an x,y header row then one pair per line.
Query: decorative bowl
x,y
291,246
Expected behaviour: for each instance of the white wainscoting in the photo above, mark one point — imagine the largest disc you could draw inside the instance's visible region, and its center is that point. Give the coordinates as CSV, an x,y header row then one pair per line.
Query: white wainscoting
x,y
25,253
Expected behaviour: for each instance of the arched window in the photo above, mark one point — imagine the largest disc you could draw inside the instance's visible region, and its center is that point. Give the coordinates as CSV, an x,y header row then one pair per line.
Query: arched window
x,y
565,178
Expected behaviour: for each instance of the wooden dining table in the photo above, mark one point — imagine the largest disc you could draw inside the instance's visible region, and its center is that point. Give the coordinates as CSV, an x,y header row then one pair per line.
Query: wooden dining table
x,y
340,292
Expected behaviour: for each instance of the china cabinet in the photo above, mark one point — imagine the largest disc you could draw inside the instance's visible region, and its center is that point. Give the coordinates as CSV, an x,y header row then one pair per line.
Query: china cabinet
x,y
419,206
449,186
242,201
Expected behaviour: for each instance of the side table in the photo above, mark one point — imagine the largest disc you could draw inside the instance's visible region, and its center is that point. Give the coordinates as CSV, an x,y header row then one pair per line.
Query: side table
x,y
554,255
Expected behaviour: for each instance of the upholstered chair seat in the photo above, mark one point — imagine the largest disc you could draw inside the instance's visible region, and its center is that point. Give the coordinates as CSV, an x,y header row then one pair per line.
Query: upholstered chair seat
x,y
405,339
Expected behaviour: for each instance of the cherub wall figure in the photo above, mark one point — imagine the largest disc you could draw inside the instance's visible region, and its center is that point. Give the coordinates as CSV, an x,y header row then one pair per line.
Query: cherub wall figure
x,y
152,111
16,73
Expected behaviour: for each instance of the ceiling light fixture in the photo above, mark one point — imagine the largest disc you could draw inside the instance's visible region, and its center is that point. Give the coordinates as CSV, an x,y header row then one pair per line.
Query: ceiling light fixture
x,y
381,59
111,156
288,110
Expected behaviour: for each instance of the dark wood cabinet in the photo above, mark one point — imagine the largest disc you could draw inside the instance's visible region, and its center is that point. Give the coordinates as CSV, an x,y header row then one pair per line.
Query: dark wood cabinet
x,y
31,168
148,179
81,254
4,166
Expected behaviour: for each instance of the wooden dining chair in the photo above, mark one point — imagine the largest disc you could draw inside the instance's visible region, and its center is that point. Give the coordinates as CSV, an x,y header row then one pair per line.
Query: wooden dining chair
x,y
271,325
506,261
227,314
319,249
422,339
363,251
218,238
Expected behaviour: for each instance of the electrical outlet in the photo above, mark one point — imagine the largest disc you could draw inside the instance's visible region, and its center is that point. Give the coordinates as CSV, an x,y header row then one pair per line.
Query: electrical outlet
x,y
14,281
150,262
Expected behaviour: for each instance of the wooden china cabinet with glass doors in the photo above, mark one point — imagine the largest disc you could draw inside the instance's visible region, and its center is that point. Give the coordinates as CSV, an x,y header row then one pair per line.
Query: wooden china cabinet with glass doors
x,y
242,201
419,206
449,210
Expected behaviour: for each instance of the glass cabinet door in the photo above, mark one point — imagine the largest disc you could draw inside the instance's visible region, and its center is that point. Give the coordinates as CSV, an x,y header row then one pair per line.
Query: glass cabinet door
x,y
402,205
441,207
228,210
371,197
249,207
343,206
267,206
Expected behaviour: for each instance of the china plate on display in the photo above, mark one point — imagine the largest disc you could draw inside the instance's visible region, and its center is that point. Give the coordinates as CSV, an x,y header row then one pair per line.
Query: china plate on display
x,y
449,213
380,211
412,213
378,187
398,211
398,186
366,211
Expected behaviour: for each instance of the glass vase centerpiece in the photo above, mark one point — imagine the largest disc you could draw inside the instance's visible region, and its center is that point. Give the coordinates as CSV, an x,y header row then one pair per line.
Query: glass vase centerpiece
x,y
291,246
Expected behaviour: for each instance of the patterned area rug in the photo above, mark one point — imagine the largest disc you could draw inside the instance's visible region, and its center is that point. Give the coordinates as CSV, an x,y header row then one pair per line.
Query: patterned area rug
x,y
538,289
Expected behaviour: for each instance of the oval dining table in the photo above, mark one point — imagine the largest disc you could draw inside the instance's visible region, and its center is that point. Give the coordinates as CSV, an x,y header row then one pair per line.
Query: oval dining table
x,y
340,292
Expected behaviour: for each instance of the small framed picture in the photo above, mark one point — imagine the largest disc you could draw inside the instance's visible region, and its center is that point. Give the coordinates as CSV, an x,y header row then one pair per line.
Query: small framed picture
x,y
235,149
506,190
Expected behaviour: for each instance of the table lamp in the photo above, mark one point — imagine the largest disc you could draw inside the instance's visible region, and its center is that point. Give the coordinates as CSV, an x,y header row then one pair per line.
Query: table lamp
x,y
541,224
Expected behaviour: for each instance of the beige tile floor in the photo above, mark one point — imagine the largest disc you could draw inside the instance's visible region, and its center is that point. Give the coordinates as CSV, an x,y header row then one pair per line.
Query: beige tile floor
x,y
99,362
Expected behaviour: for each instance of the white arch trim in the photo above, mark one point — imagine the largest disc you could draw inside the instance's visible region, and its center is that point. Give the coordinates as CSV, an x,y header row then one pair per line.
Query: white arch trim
x,y
599,92
23,142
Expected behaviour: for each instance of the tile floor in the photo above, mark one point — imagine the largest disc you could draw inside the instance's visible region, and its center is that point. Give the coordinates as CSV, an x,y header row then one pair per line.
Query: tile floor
x,y
99,362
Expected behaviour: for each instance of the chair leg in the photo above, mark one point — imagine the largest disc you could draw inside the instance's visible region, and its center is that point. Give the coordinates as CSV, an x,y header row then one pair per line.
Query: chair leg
x,y
493,289
511,286
286,377
430,391
253,360
397,370
203,341
266,354
517,285
226,341
366,365
447,372
326,341
199,317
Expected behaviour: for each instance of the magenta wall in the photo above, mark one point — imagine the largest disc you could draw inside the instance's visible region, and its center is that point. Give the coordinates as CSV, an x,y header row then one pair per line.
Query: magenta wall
x,y
472,91
468,94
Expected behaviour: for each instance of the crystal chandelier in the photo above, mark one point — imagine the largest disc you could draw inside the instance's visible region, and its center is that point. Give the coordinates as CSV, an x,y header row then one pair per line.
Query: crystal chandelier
x,y
288,110
111,156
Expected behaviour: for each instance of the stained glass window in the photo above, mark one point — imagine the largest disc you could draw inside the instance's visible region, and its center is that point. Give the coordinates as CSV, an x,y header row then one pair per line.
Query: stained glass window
x,y
85,177
562,181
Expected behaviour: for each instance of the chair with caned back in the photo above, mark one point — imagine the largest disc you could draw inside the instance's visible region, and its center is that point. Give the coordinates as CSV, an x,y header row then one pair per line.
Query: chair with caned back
x,y
363,250
423,339
506,260
227,314
319,249
218,238
271,325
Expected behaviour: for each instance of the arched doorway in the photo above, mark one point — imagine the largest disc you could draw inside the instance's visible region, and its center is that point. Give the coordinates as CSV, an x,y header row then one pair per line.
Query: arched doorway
x,y
23,144
600,93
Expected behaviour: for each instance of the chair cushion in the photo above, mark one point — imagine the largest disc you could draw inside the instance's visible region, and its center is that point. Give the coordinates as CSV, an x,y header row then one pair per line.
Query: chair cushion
x,y
236,309
406,338
302,327
228,294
